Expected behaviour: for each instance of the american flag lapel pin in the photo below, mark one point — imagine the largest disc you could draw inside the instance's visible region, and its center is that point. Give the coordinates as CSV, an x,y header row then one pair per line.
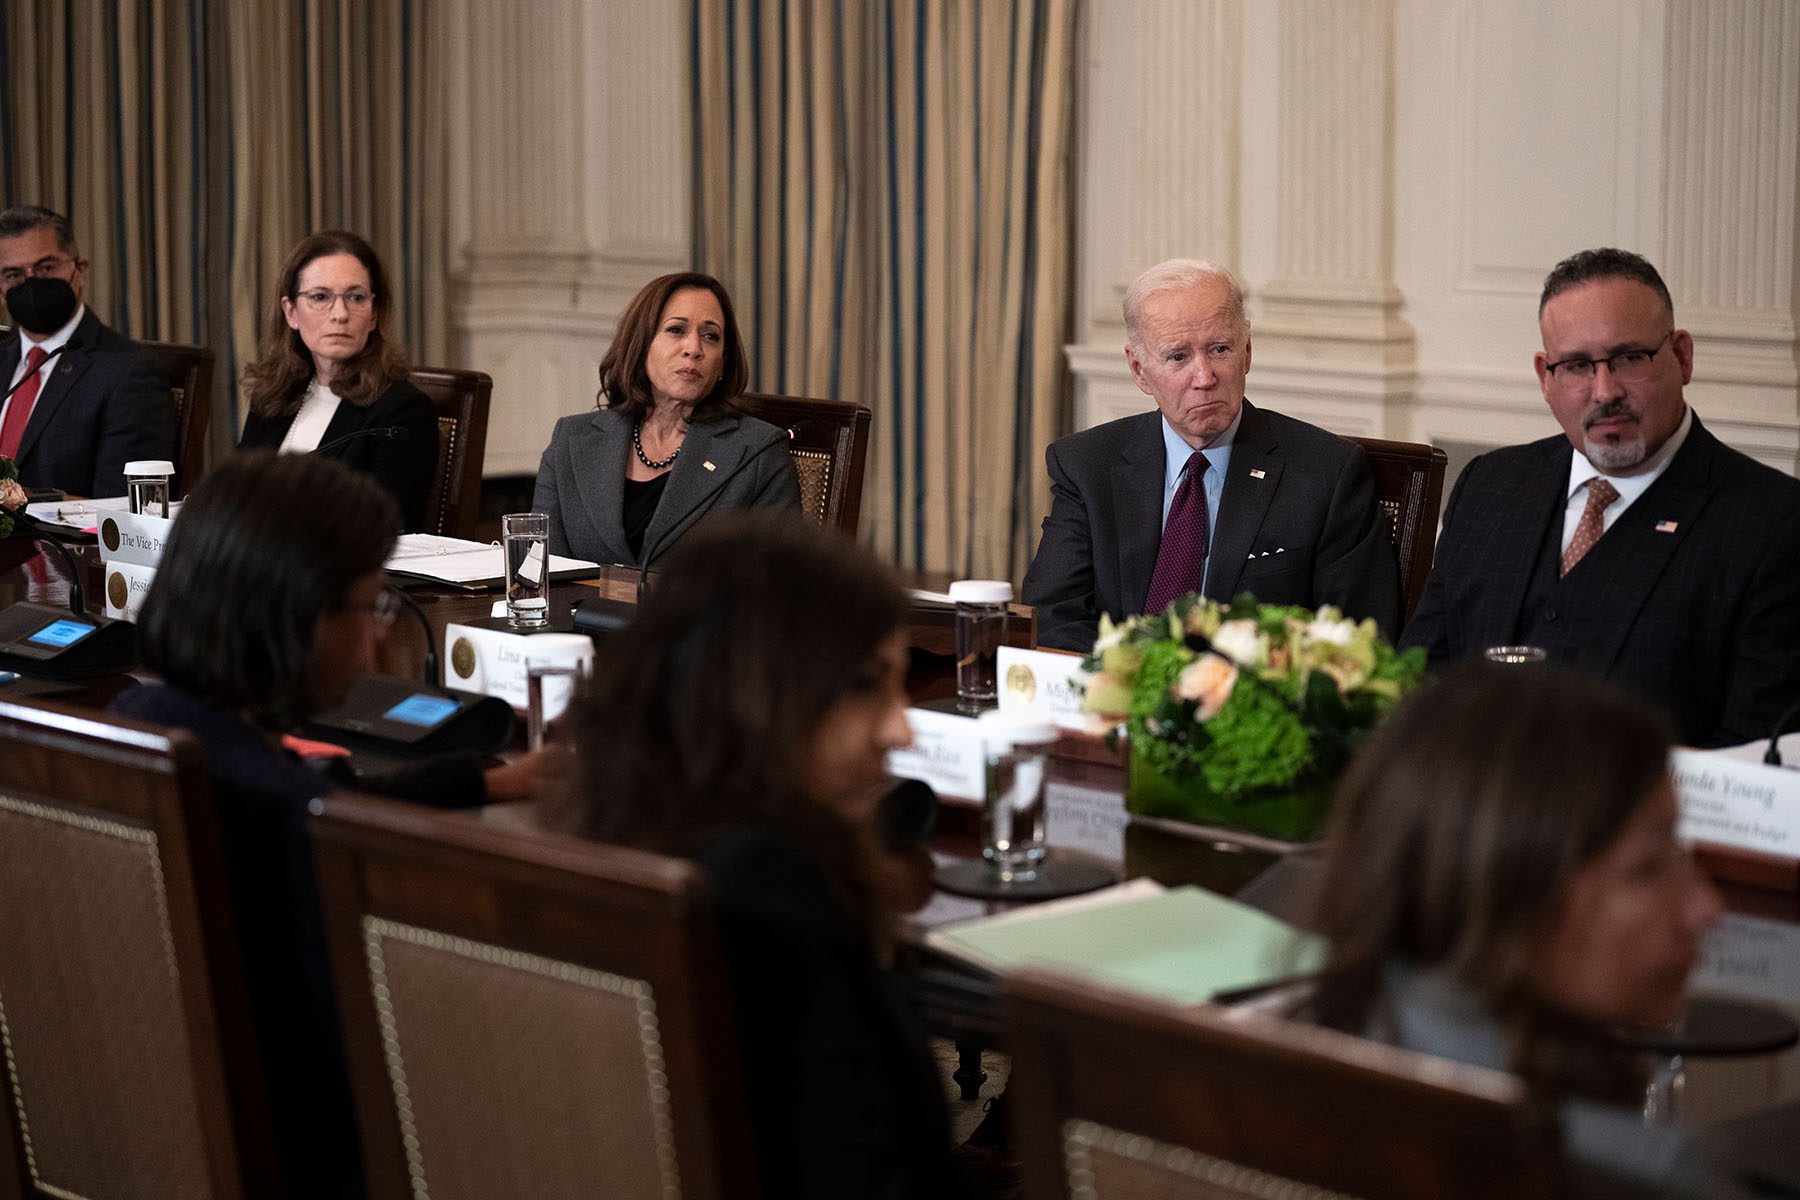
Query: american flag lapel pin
x,y
1256,472
708,465
1665,527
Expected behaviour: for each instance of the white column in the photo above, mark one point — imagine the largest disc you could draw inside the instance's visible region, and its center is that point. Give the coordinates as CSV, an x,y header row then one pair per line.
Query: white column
x,y
1730,146
570,170
1160,97
1330,345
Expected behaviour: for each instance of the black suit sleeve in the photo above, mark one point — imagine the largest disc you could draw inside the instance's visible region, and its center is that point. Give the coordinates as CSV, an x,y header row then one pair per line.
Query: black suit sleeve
x,y
138,423
405,465
1355,568
1060,581
1762,678
1430,625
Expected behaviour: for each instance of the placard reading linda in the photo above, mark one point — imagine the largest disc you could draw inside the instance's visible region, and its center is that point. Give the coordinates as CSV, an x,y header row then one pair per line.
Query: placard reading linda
x,y
1726,801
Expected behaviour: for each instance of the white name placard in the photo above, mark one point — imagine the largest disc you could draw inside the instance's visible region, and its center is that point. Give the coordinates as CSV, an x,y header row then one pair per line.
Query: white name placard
x,y
946,752
126,586
492,662
1726,801
1092,820
1042,683
1751,956
133,539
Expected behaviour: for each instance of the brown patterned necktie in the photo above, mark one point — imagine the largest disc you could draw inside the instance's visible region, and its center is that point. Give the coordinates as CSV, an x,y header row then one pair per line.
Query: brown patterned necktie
x,y
1593,522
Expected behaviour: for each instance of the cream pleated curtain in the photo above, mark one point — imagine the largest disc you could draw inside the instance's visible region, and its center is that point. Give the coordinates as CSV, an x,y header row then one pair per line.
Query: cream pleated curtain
x,y
193,142
886,191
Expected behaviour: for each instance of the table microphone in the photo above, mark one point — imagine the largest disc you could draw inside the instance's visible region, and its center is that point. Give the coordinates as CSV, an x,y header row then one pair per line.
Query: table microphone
x,y
1772,756
433,672
28,526
48,355
687,517
380,431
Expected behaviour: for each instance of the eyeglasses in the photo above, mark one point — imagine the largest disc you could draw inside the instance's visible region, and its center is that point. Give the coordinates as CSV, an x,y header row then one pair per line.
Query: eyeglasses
x,y
43,268
322,300
1627,366
385,610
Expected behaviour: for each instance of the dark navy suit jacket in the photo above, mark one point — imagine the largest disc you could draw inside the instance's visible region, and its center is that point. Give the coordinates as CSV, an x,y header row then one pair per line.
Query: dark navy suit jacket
x,y
101,405
1691,599
1297,524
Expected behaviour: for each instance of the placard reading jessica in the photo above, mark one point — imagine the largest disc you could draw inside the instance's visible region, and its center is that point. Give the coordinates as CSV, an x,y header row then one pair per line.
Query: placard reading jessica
x,y
1042,683
1728,802
126,586
945,752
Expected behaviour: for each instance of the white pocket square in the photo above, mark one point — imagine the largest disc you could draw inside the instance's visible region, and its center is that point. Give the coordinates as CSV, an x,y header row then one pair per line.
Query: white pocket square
x,y
1266,553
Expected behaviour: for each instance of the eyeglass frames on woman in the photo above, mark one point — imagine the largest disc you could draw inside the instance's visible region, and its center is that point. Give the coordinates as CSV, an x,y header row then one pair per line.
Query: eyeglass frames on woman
x,y
1627,366
321,300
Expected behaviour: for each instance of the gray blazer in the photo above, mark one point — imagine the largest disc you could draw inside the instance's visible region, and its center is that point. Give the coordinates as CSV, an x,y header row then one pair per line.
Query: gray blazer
x,y
732,462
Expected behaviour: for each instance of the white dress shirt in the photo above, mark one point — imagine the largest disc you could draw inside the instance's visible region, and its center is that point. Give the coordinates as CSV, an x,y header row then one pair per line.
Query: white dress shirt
x,y
314,417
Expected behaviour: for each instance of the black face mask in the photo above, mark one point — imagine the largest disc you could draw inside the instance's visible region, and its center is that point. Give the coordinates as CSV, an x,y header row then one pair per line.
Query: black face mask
x,y
41,306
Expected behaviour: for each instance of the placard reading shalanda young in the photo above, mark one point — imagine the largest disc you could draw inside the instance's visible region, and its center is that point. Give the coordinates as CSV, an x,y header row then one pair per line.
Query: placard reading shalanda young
x,y
1726,801
946,752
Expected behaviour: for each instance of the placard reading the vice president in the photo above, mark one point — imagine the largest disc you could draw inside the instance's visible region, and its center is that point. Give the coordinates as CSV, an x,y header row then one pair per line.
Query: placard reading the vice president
x,y
130,546
1726,801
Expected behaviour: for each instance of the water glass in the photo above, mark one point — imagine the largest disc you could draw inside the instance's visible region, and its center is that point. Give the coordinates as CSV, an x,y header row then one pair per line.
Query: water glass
x,y
1517,656
525,538
552,676
147,486
1013,803
980,626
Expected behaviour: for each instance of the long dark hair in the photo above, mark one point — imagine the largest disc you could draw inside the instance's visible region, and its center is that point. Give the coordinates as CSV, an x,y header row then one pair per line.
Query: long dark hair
x,y
1458,828
265,546
625,384
758,626
283,364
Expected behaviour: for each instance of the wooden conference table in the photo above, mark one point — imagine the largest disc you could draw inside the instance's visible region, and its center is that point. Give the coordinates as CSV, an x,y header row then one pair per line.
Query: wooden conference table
x,y
1753,953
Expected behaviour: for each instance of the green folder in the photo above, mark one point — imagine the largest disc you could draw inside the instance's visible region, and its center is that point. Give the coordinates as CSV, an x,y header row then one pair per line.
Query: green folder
x,y
1181,944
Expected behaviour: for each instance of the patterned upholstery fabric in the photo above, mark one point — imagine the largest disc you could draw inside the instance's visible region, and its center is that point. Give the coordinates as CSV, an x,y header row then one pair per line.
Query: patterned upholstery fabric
x,y
86,1046
547,1061
1104,1164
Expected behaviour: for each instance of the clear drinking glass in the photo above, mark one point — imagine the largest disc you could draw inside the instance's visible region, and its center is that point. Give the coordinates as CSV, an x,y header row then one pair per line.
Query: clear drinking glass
x,y
551,680
1013,803
525,538
147,486
980,626
1517,656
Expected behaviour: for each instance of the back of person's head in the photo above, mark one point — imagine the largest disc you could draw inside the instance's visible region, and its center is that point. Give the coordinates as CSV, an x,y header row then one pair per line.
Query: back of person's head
x,y
263,548
702,713
1459,826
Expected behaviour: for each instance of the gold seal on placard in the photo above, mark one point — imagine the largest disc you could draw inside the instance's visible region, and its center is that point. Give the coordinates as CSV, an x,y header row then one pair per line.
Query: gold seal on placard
x,y
117,590
462,657
109,533
1021,681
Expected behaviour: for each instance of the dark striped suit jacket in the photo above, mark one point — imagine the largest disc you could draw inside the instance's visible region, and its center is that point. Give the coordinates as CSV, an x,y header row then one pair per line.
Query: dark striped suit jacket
x,y
1691,599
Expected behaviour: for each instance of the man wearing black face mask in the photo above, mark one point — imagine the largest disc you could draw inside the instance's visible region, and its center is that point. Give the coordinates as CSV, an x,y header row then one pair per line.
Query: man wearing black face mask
x,y
87,402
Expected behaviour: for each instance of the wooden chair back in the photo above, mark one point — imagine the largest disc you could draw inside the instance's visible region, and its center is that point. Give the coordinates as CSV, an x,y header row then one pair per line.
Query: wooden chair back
x,y
462,399
1409,487
131,1069
1120,1097
189,370
830,445
528,1014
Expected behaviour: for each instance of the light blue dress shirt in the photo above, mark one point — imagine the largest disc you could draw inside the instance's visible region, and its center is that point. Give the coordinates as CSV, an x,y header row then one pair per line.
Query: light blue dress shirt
x,y
1218,457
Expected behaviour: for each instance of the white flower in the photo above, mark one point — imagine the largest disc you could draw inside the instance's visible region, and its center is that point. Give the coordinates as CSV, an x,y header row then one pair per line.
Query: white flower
x,y
1332,633
12,496
1207,681
1242,643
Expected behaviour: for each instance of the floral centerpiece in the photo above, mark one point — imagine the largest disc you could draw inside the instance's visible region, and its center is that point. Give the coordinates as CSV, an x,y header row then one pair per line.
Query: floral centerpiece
x,y
1243,715
12,495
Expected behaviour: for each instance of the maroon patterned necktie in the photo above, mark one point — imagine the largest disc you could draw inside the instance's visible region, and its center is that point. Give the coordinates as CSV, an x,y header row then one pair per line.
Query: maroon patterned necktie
x,y
1181,557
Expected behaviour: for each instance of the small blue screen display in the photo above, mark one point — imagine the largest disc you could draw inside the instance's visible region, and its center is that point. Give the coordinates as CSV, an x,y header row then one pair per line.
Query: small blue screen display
x,y
60,633
422,710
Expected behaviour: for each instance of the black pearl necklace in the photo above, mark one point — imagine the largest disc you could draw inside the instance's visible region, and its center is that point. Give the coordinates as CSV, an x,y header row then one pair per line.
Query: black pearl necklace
x,y
637,443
